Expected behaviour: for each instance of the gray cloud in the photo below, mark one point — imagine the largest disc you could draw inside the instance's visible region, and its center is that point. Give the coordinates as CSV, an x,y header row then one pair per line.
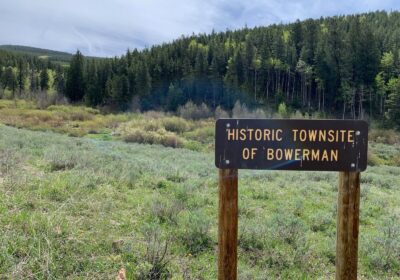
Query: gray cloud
x,y
108,28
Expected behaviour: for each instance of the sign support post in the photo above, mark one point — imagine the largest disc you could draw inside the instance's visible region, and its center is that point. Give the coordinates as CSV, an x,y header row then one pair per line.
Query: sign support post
x,y
227,224
348,209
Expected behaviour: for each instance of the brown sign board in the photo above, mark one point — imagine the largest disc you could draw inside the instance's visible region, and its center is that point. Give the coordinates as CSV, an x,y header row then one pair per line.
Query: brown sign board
x,y
284,144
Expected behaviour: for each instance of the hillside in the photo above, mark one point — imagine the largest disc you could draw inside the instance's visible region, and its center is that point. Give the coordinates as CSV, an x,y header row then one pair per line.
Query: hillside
x,y
41,53
342,66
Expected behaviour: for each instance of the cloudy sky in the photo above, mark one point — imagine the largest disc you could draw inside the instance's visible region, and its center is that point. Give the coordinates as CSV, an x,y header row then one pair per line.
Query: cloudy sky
x,y
108,28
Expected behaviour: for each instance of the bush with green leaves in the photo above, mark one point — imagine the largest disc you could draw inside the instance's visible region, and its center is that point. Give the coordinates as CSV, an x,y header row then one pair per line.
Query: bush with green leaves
x,y
175,124
194,227
149,256
252,235
161,137
383,249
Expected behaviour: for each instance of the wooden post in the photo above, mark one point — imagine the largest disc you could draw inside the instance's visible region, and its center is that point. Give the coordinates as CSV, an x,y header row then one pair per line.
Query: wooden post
x,y
228,224
348,209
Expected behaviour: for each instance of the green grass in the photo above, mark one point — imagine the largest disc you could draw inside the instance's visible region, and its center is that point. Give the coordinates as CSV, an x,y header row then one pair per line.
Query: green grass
x,y
82,208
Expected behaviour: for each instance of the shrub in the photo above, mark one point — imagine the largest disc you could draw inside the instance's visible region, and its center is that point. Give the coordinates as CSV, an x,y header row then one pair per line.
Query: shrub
x,y
239,110
72,109
153,263
374,159
149,124
252,235
37,116
321,221
289,228
385,136
194,233
171,140
201,134
81,116
160,137
395,161
193,145
282,110
175,124
258,114
166,210
61,160
154,114
44,100
383,251
8,160
140,136
192,111
220,113
297,115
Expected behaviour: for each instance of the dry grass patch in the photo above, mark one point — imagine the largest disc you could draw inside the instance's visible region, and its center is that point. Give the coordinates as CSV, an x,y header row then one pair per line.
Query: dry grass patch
x,y
169,131
71,120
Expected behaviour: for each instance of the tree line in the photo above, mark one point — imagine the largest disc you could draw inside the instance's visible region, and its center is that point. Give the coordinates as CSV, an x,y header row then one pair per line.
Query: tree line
x,y
347,66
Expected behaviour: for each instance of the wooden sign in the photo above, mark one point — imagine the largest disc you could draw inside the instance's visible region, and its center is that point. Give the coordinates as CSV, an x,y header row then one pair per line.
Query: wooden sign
x,y
325,145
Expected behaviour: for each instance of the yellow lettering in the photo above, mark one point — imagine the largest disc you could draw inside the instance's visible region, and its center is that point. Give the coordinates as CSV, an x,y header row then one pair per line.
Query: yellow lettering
x,y
242,134
315,155
297,154
279,154
288,154
250,131
295,134
322,135
306,153
258,134
342,132
270,154
331,136
253,152
312,134
279,138
266,134
246,153
231,134
324,156
334,155
350,136
303,135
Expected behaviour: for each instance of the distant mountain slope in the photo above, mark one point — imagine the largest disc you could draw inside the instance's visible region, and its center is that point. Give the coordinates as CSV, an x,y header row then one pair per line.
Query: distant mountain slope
x,y
42,53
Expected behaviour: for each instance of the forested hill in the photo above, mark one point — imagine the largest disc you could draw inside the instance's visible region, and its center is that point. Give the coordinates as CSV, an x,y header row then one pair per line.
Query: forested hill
x,y
55,56
346,66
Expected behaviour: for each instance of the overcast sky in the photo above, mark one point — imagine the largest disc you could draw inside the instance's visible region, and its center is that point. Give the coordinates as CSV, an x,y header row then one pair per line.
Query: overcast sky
x,y
108,28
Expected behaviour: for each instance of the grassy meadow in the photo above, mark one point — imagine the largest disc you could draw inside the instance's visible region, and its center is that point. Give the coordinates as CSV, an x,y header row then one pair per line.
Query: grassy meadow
x,y
139,192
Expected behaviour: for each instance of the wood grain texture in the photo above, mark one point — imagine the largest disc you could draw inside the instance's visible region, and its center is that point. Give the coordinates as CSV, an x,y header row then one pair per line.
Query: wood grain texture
x,y
228,224
347,225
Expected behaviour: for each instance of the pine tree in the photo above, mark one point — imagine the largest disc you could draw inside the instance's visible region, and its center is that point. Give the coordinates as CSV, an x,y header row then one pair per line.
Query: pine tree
x,y
59,81
174,97
142,80
75,86
44,80
93,93
393,101
21,75
9,80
